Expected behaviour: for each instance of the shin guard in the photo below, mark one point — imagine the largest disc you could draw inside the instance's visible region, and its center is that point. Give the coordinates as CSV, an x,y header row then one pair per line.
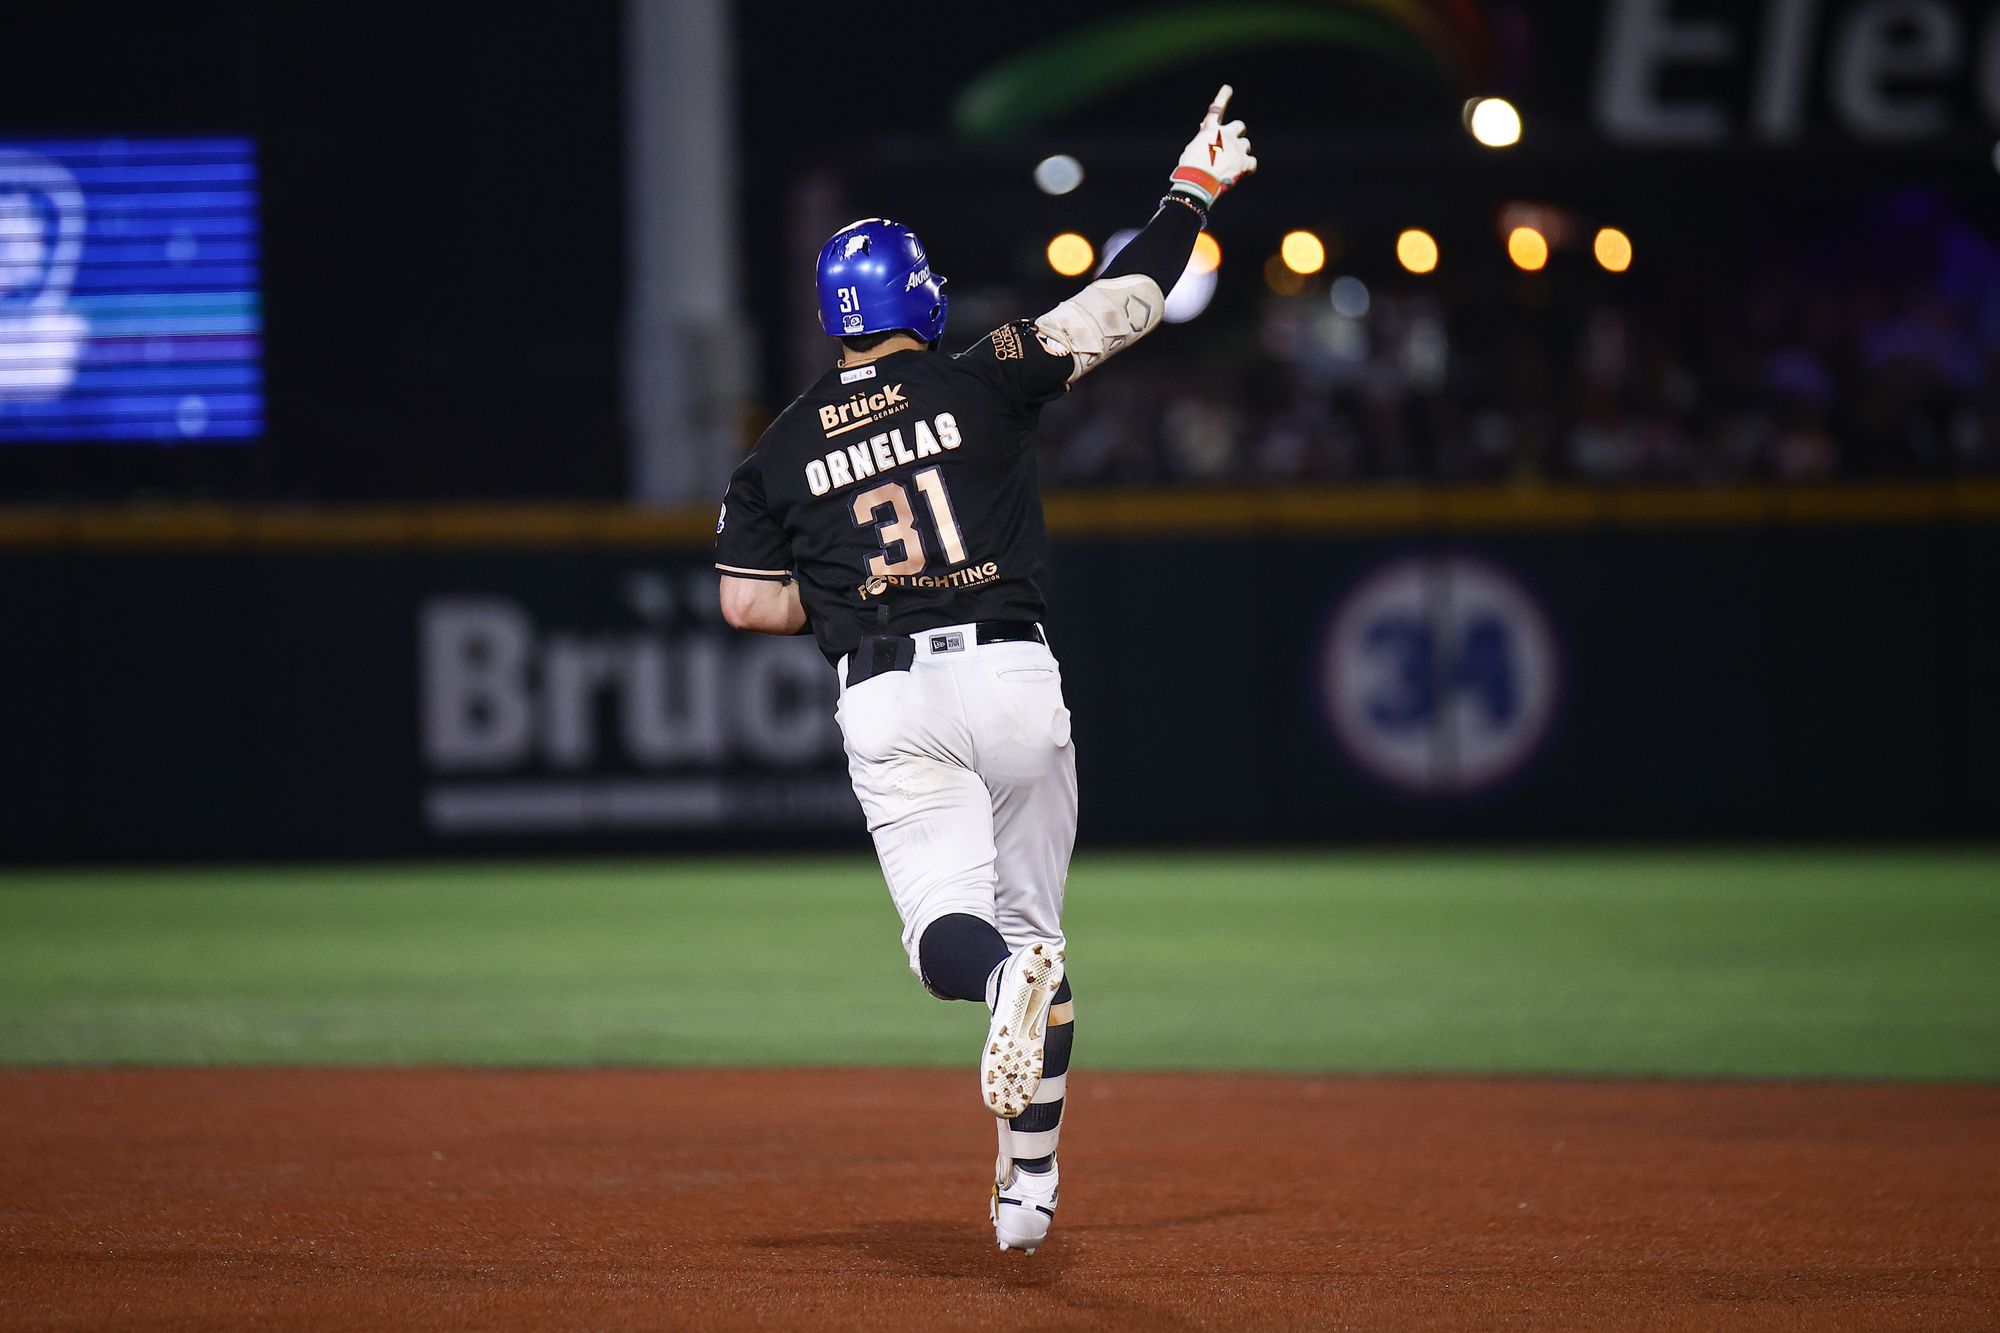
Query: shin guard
x,y
1029,1139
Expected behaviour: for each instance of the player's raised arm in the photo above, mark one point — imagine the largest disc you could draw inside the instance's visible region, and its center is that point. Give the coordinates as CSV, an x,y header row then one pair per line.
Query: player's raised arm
x,y
1126,302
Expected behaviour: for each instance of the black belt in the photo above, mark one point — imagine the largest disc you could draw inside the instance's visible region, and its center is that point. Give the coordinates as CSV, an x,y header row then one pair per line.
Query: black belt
x,y
1009,631
880,653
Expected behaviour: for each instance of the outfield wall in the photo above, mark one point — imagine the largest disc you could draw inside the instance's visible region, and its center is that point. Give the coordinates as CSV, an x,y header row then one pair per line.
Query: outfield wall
x,y
1242,667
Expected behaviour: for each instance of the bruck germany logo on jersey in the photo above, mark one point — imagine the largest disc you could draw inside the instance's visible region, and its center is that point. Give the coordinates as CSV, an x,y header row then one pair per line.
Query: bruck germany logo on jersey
x,y
861,410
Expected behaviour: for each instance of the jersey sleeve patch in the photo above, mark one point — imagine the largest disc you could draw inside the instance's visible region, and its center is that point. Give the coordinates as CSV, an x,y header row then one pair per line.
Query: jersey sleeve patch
x,y
1022,368
748,537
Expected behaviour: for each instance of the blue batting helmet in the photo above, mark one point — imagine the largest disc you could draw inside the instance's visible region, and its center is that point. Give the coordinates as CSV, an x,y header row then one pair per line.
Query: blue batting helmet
x,y
873,276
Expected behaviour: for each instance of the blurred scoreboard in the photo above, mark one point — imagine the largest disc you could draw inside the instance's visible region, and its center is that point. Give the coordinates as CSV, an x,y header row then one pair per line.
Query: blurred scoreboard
x,y
129,294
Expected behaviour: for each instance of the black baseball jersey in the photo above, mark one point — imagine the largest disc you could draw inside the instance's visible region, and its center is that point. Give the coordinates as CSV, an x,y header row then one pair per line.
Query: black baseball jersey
x,y
901,494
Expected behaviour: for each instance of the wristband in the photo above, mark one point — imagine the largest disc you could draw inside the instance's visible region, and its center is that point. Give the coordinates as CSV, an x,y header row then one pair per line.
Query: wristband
x,y
1198,183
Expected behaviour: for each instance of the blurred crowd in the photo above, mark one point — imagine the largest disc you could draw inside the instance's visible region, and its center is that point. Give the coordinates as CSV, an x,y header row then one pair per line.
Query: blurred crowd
x,y
1793,374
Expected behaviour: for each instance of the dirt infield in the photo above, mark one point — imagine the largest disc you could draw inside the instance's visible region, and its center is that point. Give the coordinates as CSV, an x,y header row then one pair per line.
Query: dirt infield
x,y
454,1199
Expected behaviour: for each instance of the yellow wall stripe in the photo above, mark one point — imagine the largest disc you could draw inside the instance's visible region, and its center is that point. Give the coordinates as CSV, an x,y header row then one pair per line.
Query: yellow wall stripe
x,y
199,527
1075,515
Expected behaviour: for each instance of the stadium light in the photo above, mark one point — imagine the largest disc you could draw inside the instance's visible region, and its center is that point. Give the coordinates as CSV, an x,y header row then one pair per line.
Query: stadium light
x,y
1350,297
1071,255
1207,254
1614,250
1190,295
1059,174
1302,252
1528,248
1282,278
1493,121
1417,251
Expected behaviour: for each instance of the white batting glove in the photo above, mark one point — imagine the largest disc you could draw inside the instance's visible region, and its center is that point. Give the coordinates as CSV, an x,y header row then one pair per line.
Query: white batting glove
x,y
1216,158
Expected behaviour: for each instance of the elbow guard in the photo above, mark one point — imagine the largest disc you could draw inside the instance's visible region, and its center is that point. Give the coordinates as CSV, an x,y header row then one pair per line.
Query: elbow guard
x,y
1103,319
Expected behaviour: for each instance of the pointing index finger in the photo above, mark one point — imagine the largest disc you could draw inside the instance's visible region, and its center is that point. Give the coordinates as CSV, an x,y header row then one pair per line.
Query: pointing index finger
x,y
1219,105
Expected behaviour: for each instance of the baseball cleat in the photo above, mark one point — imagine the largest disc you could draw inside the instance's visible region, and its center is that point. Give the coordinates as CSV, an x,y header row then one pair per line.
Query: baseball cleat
x,y
1010,1064
1024,1203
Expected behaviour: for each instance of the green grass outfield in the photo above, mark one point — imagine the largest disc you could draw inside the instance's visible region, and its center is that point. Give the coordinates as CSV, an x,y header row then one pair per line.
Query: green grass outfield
x,y
1836,963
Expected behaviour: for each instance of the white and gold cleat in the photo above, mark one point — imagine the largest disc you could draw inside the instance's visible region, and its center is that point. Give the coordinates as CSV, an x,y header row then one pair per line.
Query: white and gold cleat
x,y
1024,1204
1010,1064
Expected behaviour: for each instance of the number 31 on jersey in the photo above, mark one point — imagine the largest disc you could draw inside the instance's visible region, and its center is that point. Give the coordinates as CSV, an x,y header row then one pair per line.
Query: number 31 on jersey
x,y
901,541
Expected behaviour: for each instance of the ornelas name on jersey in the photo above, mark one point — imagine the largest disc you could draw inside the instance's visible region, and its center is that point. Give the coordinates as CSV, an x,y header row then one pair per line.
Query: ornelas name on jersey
x,y
879,453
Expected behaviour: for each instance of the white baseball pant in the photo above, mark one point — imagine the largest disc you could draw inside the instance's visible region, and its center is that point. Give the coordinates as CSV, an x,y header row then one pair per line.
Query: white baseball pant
x,y
965,769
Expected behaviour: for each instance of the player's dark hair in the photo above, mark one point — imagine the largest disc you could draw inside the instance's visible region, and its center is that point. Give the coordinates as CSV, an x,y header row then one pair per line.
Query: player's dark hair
x,y
868,342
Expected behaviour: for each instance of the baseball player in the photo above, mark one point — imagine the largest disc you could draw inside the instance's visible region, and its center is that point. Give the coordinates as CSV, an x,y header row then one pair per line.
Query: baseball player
x,y
893,512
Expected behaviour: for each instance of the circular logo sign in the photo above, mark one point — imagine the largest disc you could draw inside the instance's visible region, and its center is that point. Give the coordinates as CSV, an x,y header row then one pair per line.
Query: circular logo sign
x,y
1441,675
